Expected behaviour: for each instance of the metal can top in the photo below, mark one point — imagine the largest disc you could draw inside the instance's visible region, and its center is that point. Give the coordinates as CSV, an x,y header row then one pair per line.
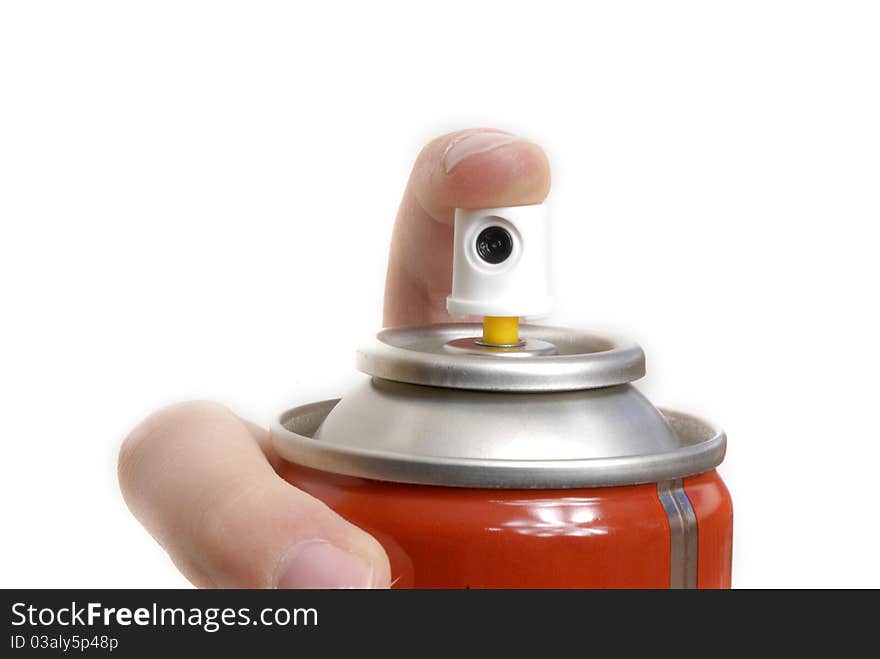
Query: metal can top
x,y
562,359
439,411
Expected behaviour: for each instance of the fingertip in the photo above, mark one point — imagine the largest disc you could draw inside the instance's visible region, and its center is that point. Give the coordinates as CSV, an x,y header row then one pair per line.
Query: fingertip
x,y
479,168
513,174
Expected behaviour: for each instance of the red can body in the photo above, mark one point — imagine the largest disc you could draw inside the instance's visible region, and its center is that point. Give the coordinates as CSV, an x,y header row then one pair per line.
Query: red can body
x,y
604,537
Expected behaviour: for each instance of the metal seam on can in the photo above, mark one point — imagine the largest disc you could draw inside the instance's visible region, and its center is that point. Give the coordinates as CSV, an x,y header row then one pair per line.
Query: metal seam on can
x,y
683,536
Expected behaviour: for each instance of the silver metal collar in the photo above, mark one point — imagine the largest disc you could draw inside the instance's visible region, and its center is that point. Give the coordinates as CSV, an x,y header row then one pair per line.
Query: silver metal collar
x,y
700,447
420,355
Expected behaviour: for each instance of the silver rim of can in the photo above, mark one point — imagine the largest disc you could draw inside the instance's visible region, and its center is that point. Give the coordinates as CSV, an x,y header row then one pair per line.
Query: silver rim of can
x,y
702,448
582,360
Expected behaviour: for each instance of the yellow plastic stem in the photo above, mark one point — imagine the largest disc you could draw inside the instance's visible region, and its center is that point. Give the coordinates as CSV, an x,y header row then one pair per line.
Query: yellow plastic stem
x,y
500,330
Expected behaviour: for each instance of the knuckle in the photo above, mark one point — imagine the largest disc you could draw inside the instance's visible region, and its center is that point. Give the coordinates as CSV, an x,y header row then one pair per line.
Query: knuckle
x,y
153,433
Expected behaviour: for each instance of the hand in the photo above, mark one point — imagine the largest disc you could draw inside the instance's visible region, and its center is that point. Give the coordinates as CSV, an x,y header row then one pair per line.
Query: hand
x,y
203,481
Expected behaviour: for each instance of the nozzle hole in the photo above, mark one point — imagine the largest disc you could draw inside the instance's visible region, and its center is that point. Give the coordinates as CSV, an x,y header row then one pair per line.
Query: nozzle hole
x,y
494,244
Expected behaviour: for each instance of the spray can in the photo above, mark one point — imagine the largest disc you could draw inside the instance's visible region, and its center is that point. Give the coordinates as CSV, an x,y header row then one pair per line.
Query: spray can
x,y
500,455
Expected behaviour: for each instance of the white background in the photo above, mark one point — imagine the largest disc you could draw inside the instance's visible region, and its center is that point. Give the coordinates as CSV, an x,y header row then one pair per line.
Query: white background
x,y
196,202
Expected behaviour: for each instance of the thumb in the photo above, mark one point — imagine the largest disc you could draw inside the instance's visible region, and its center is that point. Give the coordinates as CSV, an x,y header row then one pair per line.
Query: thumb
x,y
195,476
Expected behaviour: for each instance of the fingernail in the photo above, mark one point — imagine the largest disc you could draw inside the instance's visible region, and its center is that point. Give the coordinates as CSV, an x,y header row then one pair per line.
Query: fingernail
x,y
472,144
318,564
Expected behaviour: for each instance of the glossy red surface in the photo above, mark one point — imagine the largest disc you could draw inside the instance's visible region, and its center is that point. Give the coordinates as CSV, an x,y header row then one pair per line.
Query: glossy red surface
x,y
439,537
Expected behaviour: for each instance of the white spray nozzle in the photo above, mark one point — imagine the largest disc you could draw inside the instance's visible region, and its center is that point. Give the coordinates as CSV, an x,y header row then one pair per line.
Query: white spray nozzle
x,y
501,263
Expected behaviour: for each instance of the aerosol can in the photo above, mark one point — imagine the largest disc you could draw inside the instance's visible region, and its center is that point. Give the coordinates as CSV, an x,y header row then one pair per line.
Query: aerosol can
x,y
501,455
